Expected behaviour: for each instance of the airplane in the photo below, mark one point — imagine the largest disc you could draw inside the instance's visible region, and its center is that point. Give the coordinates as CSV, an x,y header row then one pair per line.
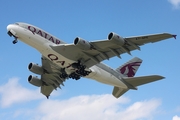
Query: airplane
x,y
62,61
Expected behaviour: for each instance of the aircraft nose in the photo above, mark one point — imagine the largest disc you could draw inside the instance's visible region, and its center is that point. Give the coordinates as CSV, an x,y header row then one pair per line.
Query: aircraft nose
x,y
9,27
12,30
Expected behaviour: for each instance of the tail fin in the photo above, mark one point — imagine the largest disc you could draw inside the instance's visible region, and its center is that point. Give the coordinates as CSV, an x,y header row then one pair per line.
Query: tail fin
x,y
130,68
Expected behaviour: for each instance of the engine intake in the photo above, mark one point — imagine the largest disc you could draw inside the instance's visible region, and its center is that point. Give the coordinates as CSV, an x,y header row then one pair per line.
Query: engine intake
x,y
82,44
116,38
35,68
35,81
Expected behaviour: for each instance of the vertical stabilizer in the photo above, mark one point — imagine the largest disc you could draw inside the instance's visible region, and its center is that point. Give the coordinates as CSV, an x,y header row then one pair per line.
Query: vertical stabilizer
x,y
130,68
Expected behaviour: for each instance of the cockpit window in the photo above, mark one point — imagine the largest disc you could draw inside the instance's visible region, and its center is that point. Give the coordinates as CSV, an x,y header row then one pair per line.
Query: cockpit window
x,y
16,23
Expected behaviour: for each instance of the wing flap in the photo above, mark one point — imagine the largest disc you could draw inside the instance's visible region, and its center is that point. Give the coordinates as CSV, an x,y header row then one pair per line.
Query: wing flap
x,y
137,81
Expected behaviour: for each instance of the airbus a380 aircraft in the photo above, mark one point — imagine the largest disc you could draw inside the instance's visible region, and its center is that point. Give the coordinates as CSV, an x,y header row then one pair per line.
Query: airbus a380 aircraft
x,y
61,61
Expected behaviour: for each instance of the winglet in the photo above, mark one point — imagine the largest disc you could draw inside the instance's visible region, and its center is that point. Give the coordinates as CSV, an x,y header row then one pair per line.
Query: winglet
x,y
174,36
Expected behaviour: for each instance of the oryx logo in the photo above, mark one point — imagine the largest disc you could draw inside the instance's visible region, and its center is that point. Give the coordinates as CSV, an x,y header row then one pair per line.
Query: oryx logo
x,y
129,69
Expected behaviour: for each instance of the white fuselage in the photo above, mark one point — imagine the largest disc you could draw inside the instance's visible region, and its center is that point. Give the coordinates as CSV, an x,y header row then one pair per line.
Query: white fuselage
x,y
42,41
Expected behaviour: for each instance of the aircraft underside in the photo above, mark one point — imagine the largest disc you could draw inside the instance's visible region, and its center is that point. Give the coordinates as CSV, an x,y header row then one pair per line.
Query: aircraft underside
x,y
82,58
79,69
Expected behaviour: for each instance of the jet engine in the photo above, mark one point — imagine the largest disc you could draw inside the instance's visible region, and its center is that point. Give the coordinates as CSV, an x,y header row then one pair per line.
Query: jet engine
x,y
116,38
35,68
82,44
35,81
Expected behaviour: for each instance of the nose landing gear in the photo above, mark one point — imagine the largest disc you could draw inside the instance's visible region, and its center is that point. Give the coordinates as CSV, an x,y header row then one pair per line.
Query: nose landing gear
x,y
15,38
15,41
10,34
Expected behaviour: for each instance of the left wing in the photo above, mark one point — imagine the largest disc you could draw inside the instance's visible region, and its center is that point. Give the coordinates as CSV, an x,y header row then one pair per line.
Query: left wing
x,y
51,78
91,53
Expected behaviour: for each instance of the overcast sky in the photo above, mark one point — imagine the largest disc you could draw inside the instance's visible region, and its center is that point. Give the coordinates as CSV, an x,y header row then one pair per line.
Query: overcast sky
x,y
86,99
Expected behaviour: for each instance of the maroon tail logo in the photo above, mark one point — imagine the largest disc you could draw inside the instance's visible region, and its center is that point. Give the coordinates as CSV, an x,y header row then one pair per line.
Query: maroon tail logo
x,y
128,69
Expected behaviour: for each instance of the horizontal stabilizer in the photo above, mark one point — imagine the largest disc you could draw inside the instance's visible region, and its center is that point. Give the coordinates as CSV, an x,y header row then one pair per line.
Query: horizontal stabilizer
x,y
137,81
117,92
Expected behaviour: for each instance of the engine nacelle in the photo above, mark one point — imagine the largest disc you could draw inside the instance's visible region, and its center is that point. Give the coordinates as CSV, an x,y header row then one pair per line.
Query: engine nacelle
x,y
116,38
82,44
35,68
35,81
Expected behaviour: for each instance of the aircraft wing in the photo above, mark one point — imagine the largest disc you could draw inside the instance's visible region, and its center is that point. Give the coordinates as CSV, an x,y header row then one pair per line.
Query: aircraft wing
x,y
105,49
51,77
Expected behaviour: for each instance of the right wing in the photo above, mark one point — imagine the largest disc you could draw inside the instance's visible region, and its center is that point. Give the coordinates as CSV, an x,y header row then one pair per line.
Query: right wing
x,y
106,49
51,78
